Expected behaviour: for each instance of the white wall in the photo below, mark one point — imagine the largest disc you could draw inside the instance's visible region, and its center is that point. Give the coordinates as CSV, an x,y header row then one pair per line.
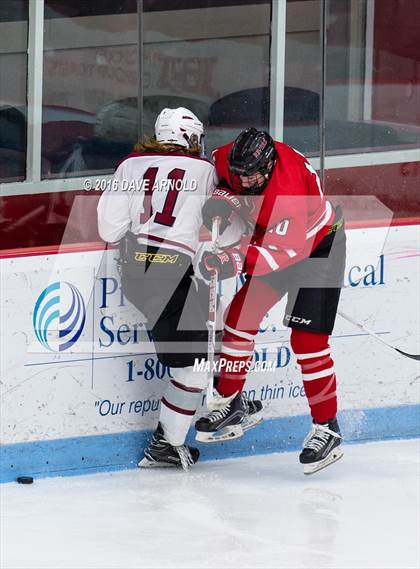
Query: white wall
x,y
49,395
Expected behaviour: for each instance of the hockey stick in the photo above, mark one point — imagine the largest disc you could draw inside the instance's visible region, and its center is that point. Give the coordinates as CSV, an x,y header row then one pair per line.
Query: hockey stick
x,y
362,327
213,400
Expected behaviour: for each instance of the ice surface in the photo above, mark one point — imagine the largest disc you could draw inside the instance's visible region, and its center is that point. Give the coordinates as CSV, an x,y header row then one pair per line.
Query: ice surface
x,y
259,511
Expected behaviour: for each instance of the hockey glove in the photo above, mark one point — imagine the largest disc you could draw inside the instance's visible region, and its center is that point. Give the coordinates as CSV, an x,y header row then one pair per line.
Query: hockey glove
x,y
228,264
221,204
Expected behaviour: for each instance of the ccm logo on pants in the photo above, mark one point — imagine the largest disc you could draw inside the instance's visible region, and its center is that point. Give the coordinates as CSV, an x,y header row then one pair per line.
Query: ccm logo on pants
x,y
297,320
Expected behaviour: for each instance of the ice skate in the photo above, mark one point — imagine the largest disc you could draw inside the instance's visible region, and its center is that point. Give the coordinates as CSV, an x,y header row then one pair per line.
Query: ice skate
x,y
230,422
321,447
160,453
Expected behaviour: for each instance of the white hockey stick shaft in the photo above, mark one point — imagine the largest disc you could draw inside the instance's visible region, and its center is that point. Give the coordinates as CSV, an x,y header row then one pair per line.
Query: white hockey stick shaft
x,y
375,335
211,322
362,327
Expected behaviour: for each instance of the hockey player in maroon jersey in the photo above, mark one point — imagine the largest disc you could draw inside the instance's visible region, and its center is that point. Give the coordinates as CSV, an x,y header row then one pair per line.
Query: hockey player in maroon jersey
x,y
297,247
153,212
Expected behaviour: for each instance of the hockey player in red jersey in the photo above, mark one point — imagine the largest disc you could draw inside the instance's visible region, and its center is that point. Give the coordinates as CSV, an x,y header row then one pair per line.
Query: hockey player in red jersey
x,y
297,247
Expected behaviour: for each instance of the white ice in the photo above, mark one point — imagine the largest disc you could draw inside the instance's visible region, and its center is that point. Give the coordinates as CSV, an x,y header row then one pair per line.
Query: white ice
x,y
260,511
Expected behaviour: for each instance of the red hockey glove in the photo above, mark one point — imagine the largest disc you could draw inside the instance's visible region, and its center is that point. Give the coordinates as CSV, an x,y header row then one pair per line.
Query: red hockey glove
x,y
228,264
221,204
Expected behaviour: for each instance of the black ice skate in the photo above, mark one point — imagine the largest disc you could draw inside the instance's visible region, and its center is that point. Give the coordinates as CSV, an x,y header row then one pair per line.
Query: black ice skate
x,y
160,453
229,422
321,447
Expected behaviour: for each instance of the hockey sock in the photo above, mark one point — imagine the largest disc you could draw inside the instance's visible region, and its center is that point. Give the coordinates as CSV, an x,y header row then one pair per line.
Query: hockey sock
x,y
180,402
177,410
313,354
235,360
246,311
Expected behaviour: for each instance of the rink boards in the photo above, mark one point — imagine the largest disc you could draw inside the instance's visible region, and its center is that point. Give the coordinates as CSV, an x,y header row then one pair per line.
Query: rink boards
x,y
80,382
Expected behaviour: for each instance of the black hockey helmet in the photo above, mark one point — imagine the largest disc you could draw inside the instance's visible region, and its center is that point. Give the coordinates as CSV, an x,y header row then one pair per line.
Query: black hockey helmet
x,y
252,152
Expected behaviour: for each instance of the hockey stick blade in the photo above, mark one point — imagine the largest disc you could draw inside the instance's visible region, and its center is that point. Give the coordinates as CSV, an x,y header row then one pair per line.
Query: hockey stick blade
x,y
375,335
412,356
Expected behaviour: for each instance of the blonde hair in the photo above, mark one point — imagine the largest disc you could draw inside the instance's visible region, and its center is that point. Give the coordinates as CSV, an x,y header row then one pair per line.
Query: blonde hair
x,y
152,145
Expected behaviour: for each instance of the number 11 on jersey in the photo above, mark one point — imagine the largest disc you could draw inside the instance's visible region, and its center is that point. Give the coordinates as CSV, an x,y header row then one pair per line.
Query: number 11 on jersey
x,y
164,217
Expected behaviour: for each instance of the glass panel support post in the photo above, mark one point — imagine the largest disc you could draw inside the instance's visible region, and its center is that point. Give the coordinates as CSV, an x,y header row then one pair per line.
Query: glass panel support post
x,y
368,78
140,68
35,76
277,67
324,39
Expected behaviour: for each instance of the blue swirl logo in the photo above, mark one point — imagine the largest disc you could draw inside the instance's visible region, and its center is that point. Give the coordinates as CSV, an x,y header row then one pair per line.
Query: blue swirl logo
x,y
60,313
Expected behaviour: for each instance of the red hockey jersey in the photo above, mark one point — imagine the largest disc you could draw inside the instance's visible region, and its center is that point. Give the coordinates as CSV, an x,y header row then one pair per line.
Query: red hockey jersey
x,y
290,218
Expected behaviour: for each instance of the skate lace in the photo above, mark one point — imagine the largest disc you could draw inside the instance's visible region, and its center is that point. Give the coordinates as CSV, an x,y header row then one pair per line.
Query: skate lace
x,y
219,414
185,457
158,441
318,436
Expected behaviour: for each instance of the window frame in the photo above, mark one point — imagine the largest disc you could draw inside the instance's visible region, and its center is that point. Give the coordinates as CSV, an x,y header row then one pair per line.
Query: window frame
x,y
33,184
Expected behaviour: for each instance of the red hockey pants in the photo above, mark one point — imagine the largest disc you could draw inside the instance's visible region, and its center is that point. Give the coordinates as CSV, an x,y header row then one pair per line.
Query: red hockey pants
x,y
312,350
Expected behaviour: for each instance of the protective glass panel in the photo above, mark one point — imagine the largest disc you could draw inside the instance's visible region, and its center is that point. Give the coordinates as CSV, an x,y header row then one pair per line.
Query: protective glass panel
x,y
372,90
372,97
13,70
211,57
303,77
90,63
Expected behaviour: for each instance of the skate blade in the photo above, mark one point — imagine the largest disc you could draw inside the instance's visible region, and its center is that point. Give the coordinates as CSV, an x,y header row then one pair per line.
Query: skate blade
x,y
229,433
251,421
146,463
226,434
335,455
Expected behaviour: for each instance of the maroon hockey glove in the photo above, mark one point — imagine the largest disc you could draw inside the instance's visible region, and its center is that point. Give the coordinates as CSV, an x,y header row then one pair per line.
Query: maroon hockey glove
x,y
228,264
221,204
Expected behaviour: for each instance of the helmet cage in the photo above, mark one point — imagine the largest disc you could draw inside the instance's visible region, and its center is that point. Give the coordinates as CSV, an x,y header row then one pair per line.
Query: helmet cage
x,y
253,151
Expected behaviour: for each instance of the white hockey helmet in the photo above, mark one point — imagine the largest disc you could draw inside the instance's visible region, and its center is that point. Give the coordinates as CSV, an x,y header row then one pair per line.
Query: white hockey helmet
x,y
178,126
